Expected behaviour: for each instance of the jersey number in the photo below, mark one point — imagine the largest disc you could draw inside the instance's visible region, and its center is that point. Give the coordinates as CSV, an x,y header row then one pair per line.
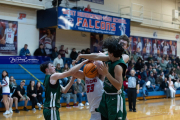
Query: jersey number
x,y
90,88
9,36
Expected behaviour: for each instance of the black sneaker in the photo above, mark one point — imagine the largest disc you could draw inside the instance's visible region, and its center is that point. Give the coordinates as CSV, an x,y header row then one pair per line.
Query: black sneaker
x,y
25,109
134,110
130,110
16,111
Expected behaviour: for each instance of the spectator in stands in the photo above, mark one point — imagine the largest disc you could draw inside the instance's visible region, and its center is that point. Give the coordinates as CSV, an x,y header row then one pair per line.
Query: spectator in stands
x,y
62,52
154,74
172,58
88,51
70,94
58,68
32,94
166,61
159,81
153,64
40,51
143,74
88,9
73,54
177,71
130,67
39,92
80,90
150,69
172,89
163,66
174,64
177,59
66,68
165,87
177,85
54,53
158,63
24,51
171,75
153,85
169,65
125,83
135,56
159,70
149,64
138,66
150,58
58,60
159,57
5,92
19,95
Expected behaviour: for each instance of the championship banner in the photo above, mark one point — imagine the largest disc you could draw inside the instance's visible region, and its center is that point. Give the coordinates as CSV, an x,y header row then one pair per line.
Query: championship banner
x,y
151,46
96,42
47,37
8,37
23,59
69,19
96,1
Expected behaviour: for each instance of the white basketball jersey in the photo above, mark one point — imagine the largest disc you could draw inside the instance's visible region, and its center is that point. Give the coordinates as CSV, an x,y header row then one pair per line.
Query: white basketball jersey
x,y
165,50
148,48
94,90
155,48
47,45
9,35
173,50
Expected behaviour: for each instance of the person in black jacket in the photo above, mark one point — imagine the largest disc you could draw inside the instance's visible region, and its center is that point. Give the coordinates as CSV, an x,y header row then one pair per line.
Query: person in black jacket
x,y
54,53
165,87
74,54
138,65
39,92
40,51
32,94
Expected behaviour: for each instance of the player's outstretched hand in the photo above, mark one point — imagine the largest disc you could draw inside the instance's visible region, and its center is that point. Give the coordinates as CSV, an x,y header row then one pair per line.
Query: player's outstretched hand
x,y
104,69
75,61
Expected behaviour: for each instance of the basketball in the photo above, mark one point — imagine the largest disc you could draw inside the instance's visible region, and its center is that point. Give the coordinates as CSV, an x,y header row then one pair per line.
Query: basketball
x,y
2,41
90,70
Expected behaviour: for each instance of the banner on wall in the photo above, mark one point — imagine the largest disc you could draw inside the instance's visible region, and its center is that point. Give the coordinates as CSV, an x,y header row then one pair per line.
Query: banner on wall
x,y
47,38
8,37
69,19
96,42
152,46
96,1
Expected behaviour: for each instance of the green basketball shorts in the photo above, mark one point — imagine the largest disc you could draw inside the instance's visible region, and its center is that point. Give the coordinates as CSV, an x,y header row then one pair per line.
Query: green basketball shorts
x,y
51,114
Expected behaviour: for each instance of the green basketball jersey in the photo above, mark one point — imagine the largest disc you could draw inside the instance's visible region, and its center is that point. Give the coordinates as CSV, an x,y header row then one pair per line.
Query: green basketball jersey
x,y
52,93
108,87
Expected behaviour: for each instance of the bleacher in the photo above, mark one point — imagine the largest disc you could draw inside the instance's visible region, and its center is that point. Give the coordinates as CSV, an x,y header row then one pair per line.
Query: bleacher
x,y
19,74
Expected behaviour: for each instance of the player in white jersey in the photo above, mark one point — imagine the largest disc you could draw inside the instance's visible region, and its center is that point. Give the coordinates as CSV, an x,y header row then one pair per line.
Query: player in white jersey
x,y
9,34
165,47
173,49
139,46
46,40
148,47
155,47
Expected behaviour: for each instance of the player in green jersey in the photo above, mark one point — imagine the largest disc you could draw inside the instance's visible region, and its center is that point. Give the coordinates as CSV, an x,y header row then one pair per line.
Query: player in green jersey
x,y
53,89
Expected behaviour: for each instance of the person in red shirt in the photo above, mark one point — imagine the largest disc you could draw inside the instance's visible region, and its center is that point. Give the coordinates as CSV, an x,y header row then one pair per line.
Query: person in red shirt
x,y
88,9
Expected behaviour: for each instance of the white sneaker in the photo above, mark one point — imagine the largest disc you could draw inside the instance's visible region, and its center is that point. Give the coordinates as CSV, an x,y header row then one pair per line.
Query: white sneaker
x,y
34,109
80,105
6,113
39,105
87,104
10,110
39,108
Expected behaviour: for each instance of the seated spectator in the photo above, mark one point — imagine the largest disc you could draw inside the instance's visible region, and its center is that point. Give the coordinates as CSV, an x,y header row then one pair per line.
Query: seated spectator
x,y
177,71
39,92
58,60
88,51
159,81
130,67
172,59
58,68
163,66
32,94
153,86
150,58
125,83
24,51
142,84
54,53
66,68
62,52
19,95
73,54
88,9
70,94
171,75
135,56
143,74
80,90
158,63
12,85
150,69
177,59
169,65
149,64
40,51
155,74
172,89
159,57
159,70
138,65
174,64
166,61
165,87
177,85
153,64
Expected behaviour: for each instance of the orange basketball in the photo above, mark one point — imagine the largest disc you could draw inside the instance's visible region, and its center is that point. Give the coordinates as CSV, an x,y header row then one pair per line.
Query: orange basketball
x,y
90,70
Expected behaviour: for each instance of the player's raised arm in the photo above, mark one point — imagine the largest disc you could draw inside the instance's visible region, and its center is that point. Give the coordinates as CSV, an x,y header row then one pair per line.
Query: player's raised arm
x,y
68,86
79,74
118,80
71,72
